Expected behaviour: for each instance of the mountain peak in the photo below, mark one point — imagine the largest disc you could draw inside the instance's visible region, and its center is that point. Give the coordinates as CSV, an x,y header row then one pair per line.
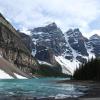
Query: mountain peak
x,y
74,32
52,25
46,29
95,36
77,32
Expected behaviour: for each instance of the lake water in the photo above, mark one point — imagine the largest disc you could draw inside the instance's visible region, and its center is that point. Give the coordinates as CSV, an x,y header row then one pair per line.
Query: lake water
x,y
42,87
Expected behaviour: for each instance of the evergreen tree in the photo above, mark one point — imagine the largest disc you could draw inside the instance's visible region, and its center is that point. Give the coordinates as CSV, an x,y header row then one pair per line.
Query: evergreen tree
x,y
88,71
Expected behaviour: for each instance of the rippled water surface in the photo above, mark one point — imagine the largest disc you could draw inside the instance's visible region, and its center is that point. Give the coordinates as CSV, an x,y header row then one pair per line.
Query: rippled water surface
x,y
42,87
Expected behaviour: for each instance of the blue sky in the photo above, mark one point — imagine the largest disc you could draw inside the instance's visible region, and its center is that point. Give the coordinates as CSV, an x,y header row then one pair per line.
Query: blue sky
x,y
25,14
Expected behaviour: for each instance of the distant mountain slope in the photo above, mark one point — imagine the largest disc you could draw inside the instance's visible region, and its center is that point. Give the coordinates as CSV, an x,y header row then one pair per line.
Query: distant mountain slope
x,y
95,42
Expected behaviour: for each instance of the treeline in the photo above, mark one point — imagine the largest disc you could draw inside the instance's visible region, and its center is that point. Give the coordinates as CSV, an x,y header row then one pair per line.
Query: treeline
x,y
88,71
49,71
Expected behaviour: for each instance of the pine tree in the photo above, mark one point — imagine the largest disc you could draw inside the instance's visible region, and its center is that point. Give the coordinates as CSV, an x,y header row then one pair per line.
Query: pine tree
x,y
88,71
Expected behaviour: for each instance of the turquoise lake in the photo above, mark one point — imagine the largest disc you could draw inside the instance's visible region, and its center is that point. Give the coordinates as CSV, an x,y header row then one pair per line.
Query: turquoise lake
x,y
41,87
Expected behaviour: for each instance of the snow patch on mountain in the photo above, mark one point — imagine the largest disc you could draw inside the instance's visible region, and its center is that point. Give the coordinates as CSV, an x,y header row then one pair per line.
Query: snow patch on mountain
x,y
73,51
4,75
91,55
34,41
68,67
71,48
19,76
34,52
43,62
89,48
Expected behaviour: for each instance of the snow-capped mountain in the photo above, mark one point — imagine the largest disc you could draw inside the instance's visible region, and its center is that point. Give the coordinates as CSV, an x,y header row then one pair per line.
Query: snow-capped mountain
x,y
51,37
69,49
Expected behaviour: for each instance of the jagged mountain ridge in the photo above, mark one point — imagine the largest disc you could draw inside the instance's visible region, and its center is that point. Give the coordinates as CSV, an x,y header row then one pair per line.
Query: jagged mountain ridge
x,y
95,41
50,37
43,67
71,45
47,44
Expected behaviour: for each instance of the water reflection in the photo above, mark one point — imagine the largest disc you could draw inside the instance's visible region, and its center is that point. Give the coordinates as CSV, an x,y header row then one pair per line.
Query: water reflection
x,y
42,87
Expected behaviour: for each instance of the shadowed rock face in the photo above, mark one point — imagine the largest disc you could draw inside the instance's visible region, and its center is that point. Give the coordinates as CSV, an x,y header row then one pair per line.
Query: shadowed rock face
x,y
95,41
13,49
49,36
71,44
51,27
27,41
11,69
77,41
45,54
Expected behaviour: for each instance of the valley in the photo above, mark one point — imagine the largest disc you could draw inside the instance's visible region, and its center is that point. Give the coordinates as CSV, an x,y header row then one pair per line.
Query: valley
x,y
31,65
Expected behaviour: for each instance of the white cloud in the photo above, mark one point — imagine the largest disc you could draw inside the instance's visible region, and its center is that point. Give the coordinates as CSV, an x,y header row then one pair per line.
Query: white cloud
x,y
95,32
66,13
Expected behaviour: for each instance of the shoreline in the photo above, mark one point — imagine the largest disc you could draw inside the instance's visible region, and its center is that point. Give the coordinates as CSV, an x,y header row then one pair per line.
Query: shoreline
x,y
92,93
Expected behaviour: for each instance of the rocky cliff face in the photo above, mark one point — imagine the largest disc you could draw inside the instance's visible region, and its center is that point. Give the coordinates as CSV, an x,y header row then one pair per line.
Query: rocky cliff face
x,y
43,54
27,41
95,42
13,49
71,44
49,36
77,41
47,44
69,49
49,41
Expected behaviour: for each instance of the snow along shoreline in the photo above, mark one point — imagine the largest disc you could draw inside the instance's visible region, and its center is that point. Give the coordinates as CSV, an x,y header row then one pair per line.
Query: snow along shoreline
x,y
4,75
